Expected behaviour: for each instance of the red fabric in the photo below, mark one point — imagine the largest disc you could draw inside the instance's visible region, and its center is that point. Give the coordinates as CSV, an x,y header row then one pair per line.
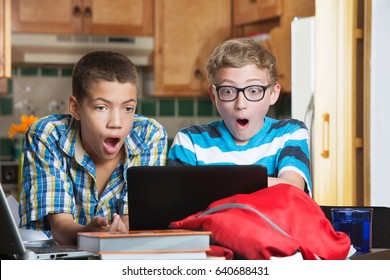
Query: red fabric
x,y
251,237
219,251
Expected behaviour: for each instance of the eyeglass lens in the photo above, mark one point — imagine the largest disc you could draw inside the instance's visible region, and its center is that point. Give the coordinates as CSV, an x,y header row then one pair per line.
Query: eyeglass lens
x,y
252,93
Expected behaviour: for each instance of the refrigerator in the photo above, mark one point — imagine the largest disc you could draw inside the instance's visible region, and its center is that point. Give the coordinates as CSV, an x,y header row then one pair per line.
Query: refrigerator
x,y
302,68
303,92
303,73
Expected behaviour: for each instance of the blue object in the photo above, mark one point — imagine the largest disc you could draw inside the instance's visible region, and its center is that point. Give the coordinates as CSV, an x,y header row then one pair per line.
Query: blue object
x,y
357,223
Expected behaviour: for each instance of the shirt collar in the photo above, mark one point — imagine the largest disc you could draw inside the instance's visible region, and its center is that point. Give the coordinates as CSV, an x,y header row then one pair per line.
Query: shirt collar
x,y
68,138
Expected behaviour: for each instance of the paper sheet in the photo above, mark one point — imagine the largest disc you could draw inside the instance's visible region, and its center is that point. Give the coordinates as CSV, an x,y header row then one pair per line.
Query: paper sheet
x,y
26,234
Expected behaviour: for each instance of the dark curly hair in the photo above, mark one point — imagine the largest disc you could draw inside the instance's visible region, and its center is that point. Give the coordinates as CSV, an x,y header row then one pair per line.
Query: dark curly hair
x,y
99,66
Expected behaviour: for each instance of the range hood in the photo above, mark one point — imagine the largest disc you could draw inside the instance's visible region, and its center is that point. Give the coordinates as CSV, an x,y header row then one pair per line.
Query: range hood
x,y
67,49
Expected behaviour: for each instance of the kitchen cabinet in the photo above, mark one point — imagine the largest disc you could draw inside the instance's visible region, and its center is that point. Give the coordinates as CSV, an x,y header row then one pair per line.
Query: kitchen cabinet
x,y
119,17
5,43
185,34
341,168
248,11
272,17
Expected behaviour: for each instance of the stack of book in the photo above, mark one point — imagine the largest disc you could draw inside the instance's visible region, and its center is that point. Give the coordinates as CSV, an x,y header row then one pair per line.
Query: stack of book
x,y
148,244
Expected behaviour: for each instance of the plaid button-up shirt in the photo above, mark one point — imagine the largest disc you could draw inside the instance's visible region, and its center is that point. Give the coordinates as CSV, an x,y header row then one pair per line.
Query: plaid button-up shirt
x,y
59,177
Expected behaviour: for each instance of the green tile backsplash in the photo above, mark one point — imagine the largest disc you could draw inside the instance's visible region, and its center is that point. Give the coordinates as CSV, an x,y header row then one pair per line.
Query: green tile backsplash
x,y
10,87
29,71
151,107
167,107
186,107
66,72
148,107
50,72
6,105
205,107
6,149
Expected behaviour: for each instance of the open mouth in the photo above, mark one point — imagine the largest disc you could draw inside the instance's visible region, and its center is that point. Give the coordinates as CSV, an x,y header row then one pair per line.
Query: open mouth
x,y
111,142
242,121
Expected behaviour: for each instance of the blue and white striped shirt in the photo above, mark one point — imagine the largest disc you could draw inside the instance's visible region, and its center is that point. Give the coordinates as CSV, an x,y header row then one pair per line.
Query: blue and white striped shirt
x,y
59,177
280,145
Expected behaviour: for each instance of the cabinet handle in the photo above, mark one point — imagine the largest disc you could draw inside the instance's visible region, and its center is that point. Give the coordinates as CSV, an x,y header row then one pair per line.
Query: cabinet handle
x,y
325,135
76,11
88,12
198,74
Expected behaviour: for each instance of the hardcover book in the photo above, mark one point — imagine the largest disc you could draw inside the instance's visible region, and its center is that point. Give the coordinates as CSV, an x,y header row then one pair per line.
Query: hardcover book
x,y
154,255
141,240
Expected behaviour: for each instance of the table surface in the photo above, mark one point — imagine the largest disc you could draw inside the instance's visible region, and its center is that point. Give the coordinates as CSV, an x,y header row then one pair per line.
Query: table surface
x,y
373,254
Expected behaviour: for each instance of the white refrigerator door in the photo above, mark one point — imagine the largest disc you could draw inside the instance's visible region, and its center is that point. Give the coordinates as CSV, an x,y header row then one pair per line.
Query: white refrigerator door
x,y
302,68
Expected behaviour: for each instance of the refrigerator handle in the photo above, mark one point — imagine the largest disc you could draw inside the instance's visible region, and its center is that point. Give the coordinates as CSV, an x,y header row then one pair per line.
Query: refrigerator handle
x,y
325,135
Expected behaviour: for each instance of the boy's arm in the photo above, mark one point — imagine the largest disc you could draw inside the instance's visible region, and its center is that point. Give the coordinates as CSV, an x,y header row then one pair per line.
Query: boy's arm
x,y
288,177
44,188
293,161
65,230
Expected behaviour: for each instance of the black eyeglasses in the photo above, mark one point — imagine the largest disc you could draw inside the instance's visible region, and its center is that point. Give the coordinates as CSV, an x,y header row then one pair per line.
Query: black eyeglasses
x,y
251,93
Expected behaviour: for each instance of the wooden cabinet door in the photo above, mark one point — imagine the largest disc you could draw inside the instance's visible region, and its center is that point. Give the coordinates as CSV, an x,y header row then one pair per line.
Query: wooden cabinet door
x,y
122,17
248,11
46,16
333,154
186,32
5,43
273,17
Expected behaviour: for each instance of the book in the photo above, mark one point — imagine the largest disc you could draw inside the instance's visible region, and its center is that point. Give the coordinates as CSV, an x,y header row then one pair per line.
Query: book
x,y
144,240
154,255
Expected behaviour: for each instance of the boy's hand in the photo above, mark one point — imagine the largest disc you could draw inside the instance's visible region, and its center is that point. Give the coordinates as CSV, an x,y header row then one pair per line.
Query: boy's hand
x,y
101,224
97,224
117,224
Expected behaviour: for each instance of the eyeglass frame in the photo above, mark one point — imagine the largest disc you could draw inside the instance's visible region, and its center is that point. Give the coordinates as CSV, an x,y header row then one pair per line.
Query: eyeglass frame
x,y
217,88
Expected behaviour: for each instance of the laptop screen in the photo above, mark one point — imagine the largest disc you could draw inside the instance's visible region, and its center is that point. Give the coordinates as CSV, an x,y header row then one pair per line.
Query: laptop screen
x,y
158,195
11,243
12,246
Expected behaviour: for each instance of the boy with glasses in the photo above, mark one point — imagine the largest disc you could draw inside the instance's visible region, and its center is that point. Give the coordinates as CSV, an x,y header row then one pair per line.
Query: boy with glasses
x,y
243,80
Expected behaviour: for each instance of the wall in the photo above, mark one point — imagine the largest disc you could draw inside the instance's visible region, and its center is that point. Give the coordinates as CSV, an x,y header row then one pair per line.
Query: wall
x,y
380,102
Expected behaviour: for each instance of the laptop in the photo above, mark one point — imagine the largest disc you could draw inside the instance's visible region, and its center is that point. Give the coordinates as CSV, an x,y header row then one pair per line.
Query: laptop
x,y
158,195
13,247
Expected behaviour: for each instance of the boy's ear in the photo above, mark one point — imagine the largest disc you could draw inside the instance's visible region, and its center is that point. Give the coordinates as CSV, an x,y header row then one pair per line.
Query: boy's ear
x,y
275,92
212,93
73,107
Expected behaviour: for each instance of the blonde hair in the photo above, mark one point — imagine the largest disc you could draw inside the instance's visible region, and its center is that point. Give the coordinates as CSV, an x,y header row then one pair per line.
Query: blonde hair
x,y
239,52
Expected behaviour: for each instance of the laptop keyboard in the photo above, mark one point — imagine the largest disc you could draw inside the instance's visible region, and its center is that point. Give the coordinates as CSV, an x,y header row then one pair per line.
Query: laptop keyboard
x,y
49,246
51,249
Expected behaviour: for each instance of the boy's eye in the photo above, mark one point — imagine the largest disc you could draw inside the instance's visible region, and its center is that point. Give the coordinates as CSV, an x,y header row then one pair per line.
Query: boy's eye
x,y
255,90
100,108
227,91
129,109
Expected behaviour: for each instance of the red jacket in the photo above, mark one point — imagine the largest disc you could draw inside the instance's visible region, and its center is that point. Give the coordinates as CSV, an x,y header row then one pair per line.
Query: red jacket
x,y
276,221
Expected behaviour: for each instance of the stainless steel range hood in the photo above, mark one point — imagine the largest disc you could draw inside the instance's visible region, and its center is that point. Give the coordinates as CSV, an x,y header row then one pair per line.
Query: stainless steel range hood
x,y
41,49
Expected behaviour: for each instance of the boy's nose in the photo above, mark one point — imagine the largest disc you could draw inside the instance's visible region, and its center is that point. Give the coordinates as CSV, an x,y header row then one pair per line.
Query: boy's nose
x,y
115,120
241,100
